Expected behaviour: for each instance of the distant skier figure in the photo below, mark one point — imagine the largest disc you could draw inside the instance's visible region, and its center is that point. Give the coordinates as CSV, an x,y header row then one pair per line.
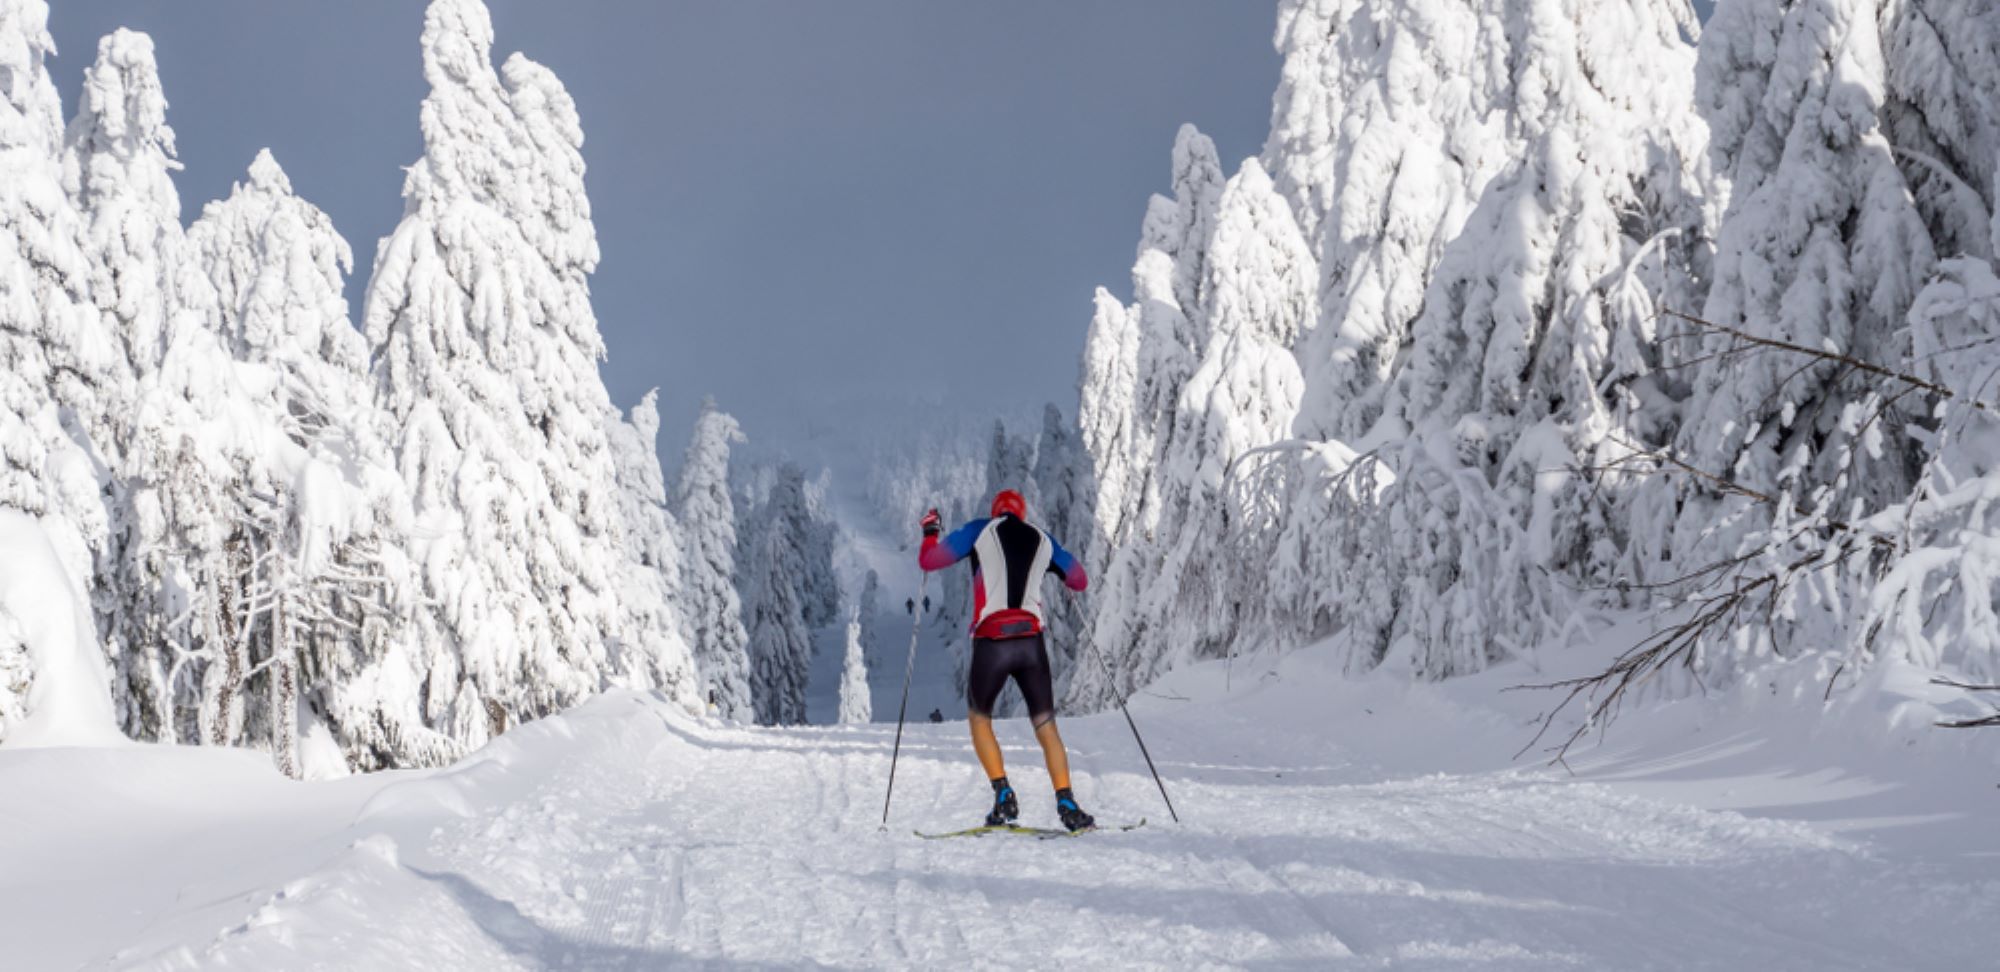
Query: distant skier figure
x,y
937,715
1009,556
927,604
910,607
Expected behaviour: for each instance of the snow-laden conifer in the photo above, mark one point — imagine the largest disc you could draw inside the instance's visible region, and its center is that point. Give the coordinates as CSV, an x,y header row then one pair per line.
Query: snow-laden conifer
x,y
856,706
868,606
712,604
1137,362
485,361
1538,352
1830,231
773,567
1057,501
277,264
1822,246
118,166
55,354
1492,222
1943,79
1168,593
654,632
1138,358
1933,605
196,454
330,596
61,375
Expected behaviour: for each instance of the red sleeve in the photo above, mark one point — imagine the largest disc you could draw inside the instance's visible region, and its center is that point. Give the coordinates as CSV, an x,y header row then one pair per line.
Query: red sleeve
x,y
935,555
954,547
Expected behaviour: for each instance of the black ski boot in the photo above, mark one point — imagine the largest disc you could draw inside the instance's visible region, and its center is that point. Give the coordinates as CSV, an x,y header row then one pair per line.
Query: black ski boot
x,y
1006,809
1072,815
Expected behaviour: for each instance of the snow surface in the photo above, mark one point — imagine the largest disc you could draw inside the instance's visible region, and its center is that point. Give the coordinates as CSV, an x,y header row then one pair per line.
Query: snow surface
x,y
43,610
1328,823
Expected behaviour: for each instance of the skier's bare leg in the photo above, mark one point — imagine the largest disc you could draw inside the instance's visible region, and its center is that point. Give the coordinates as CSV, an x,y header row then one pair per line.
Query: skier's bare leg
x,y
985,745
1052,750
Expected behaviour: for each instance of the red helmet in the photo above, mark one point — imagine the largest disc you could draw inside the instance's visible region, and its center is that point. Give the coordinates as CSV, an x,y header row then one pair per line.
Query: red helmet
x,y
1009,502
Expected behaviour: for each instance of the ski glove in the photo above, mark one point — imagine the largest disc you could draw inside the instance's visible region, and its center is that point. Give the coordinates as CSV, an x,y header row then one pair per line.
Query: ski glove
x,y
933,524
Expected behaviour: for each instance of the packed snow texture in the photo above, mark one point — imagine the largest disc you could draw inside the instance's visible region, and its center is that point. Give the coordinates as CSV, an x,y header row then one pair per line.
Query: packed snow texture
x,y
1328,823
53,687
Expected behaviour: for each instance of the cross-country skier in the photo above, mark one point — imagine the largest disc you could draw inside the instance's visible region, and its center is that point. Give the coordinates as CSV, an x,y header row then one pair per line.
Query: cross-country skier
x,y
1009,556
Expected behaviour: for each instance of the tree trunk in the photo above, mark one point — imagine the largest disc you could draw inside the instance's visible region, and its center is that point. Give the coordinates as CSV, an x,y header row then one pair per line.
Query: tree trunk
x,y
284,694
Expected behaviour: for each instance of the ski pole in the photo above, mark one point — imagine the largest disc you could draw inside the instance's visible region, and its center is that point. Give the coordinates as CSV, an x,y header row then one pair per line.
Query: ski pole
x,y
902,710
1108,683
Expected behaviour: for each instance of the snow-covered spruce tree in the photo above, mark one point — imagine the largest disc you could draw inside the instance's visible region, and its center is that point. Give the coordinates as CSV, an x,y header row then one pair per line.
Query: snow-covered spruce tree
x,y
1009,462
925,469
330,599
1536,354
856,706
1929,99
1055,484
798,504
868,606
1938,111
485,360
1492,221
1391,119
819,536
653,643
773,568
196,448
1137,361
650,634
1057,500
118,166
1933,605
1258,295
60,371
1824,247
712,605
1138,358
277,264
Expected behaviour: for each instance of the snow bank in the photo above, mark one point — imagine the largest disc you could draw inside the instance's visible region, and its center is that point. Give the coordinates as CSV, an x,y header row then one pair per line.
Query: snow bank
x,y
64,692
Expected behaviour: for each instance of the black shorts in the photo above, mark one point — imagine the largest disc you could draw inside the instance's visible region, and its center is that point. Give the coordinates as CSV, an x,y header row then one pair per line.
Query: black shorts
x,y
1026,660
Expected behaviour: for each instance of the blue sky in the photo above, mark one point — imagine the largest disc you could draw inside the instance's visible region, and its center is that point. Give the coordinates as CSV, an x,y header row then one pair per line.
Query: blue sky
x,y
814,211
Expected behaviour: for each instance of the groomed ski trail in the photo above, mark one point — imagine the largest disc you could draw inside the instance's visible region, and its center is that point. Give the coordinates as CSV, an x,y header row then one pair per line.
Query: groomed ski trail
x,y
625,835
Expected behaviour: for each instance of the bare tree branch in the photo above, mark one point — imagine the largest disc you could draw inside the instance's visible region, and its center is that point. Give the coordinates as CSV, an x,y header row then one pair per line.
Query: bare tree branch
x,y
1832,356
1941,680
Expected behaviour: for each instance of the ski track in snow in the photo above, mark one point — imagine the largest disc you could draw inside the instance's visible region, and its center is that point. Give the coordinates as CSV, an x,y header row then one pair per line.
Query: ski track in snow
x,y
627,836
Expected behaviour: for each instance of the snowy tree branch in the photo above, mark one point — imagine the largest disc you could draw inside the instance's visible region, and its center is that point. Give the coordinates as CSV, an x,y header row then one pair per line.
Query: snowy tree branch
x,y
1830,356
